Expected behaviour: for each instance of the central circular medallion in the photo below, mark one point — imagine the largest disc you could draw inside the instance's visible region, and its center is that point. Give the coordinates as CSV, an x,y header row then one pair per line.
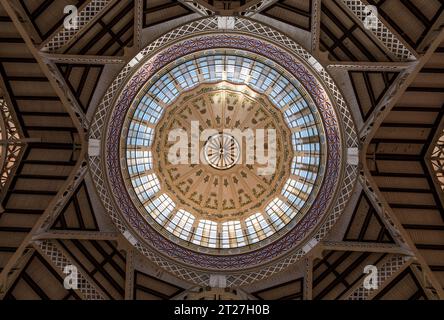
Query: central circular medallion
x,y
222,151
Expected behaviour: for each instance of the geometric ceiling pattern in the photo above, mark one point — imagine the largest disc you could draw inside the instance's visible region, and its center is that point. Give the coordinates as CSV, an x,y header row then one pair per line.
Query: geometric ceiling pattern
x,y
52,80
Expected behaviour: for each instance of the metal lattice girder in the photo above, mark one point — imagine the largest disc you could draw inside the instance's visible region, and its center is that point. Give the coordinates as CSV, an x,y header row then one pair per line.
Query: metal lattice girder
x,y
82,59
86,287
86,16
308,278
394,226
78,235
365,66
380,31
387,271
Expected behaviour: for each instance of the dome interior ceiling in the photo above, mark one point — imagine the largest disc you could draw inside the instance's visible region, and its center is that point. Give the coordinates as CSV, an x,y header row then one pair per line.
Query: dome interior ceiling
x,y
51,83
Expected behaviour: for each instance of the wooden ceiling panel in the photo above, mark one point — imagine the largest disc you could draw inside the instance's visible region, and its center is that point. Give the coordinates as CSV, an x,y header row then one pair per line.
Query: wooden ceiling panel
x,y
340,271
46,16
82,81
291,290
109,34
370,88
39,281
102,262
344,39
78,213
403,287
147,287
159,11
294,12
365,224
411,19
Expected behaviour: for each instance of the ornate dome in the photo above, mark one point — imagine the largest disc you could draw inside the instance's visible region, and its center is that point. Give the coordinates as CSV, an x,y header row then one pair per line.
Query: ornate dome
x,y
226,101
224,151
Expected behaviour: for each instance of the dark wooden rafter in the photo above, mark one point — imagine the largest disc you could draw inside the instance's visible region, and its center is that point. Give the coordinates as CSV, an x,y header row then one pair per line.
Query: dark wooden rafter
x,y
39,280
78,213
163,11
82,80
365,224
47,16
370,88
289,290
150,287
293,13
109,34
336,273
102,262
406,284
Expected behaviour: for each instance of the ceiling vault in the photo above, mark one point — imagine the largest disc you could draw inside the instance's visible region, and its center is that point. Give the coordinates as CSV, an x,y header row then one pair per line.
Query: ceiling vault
x,y
399,257
75,177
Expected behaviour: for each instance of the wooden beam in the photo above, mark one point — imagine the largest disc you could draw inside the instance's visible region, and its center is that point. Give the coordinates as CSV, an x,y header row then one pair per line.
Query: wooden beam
x,y
7,282
254,7
197,7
